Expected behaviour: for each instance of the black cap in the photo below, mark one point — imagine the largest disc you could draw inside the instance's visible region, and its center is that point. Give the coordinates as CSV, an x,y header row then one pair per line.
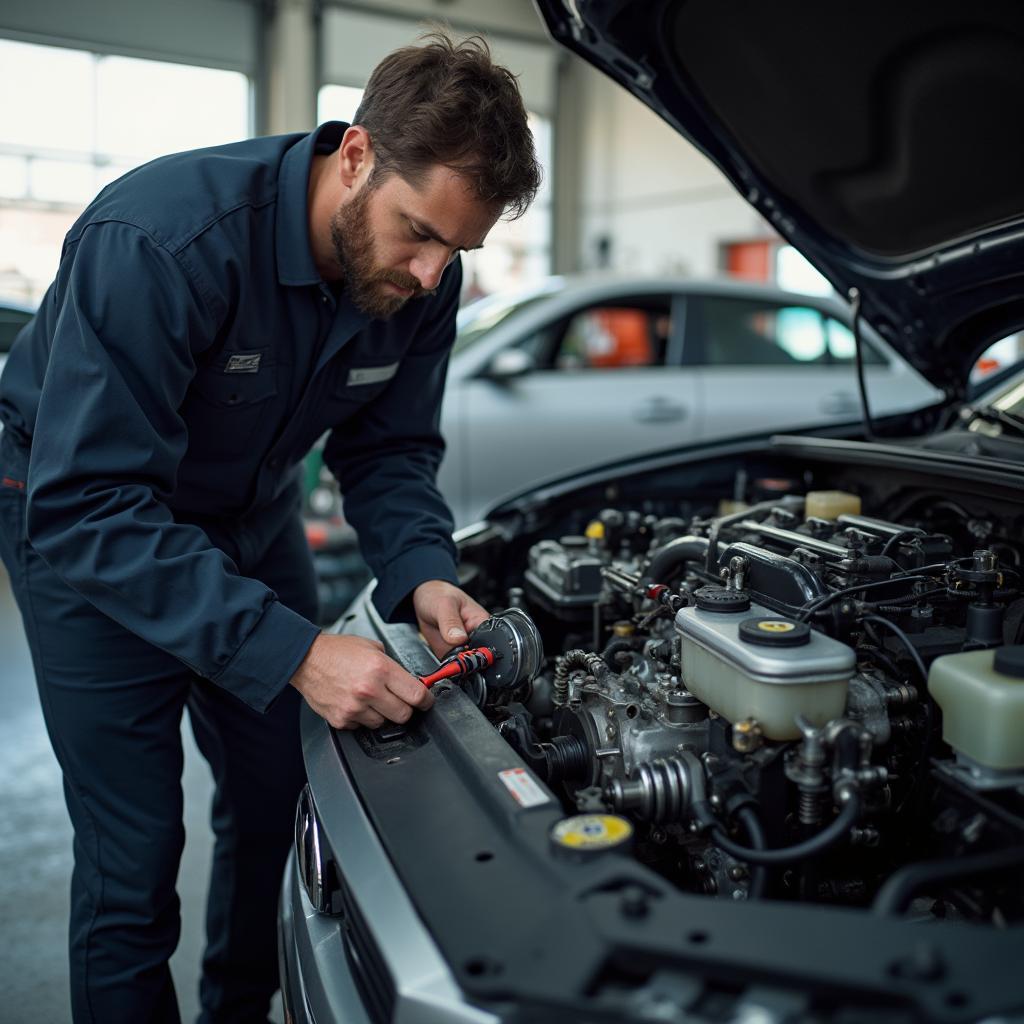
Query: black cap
x,y
775,631
1010,660
718,599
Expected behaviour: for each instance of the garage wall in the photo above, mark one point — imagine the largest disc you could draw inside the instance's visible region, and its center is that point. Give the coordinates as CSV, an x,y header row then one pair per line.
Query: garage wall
x,y
647,200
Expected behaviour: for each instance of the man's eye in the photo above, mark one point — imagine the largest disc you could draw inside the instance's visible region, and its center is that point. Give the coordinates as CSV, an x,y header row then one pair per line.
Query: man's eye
x,y
418,235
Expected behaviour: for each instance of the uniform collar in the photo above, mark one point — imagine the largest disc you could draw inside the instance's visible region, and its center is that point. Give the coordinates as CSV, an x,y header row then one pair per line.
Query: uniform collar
x,y
295,264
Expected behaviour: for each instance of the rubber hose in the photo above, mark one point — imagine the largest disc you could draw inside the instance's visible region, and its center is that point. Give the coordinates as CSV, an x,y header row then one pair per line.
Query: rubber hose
x,y
755,833
900,887
617,644
676,552
824,840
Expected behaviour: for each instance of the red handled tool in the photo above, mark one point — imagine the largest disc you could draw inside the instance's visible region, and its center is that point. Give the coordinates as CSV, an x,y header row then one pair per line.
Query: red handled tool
x,y
462,664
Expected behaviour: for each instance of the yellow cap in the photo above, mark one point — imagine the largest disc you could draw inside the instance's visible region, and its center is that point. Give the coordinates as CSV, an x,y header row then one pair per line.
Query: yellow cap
x,y
592,832
595,530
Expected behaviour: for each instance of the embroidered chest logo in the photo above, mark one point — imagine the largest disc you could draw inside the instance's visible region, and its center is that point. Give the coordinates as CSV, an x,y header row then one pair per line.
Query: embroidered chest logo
x,y
248,362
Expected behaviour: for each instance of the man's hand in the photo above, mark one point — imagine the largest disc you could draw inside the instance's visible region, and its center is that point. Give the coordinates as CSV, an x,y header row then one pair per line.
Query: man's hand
x,y
350,681
445,615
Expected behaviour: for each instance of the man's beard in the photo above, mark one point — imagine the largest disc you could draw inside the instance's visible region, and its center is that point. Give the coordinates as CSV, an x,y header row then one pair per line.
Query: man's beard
x,y
363,280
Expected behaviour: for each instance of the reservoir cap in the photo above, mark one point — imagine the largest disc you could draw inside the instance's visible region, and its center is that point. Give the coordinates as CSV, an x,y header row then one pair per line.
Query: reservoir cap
x,y
775,632
1009,660
719,599
591,833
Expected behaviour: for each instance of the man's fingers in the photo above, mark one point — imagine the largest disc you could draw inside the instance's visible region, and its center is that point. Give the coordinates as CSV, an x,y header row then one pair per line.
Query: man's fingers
x,y
393,708
370,718
449,622
473,615
409,690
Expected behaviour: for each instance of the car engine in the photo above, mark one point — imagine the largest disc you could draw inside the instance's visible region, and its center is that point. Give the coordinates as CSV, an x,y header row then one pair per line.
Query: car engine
x,y
791,699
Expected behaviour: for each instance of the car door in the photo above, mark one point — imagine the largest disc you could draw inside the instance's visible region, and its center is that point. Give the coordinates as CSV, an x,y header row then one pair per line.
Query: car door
x,y
605,383
768,364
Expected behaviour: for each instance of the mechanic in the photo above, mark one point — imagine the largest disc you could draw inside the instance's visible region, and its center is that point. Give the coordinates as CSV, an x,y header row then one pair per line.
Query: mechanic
x,y
214,313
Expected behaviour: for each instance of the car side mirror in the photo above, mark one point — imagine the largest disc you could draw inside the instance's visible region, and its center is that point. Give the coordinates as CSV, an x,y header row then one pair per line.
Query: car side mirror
x,y
510,363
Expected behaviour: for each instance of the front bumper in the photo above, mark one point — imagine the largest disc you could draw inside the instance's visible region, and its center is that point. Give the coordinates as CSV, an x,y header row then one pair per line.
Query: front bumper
x,y
317,986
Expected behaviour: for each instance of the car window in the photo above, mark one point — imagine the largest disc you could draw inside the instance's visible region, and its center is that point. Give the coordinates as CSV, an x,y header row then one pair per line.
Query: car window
x,y
11,322
743,332
608,338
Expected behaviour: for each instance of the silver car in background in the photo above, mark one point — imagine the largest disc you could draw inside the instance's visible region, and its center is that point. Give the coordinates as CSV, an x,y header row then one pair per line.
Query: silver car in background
x,y
580,371
13,316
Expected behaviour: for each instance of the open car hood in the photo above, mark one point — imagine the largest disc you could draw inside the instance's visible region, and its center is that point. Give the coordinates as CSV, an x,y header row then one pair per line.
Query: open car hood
x,y
882,140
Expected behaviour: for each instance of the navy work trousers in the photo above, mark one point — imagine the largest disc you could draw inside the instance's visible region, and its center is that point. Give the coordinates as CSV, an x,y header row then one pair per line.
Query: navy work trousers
x,y
113,706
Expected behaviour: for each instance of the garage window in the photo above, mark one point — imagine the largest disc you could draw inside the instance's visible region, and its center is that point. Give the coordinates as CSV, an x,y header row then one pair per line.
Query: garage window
x,y
82,119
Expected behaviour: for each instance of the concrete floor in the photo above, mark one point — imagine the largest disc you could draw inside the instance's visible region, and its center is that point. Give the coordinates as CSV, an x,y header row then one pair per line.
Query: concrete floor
x,y
35,851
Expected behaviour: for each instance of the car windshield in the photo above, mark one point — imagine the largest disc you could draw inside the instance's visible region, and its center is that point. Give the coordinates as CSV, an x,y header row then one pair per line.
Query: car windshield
x,y
476,319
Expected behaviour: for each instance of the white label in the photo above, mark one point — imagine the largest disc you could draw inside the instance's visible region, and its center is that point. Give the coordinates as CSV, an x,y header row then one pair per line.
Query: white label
x,y
524,790
371,374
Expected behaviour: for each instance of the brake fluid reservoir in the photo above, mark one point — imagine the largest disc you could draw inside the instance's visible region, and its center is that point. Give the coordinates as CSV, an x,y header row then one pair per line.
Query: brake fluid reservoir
x,y
831,504
756,664
981,694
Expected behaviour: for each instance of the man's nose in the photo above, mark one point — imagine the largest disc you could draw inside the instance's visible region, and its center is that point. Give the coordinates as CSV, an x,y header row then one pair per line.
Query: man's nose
x,y
428,266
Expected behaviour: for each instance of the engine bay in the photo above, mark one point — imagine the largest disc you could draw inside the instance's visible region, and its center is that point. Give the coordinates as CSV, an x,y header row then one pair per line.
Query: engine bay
x,y
790,682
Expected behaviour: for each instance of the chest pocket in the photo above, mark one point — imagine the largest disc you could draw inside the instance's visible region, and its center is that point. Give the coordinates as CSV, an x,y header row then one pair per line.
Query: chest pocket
x,y
229,406
350,387
236,380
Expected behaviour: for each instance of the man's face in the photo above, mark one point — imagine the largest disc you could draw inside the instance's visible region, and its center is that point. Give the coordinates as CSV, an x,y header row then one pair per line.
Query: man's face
x,y
393,240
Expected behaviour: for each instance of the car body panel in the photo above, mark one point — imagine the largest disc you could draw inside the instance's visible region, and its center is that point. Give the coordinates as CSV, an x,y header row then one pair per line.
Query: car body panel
x,y
503,435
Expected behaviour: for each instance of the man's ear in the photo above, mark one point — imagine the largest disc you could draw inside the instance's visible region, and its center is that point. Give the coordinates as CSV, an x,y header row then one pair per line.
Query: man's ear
x,y
355,156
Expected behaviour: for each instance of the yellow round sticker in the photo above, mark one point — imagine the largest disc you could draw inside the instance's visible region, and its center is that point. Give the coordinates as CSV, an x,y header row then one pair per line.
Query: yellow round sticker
x,y
592,831
774,626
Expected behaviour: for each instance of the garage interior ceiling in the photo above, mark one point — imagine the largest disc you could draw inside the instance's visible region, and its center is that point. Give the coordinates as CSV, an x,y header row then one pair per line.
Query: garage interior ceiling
x,y
229,35
354,40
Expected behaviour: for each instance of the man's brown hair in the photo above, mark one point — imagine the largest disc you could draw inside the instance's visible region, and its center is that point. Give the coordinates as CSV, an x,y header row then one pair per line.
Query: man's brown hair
x,y
449,103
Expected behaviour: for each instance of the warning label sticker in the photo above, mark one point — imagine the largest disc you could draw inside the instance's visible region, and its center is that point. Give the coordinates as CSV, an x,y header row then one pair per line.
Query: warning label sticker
x,y
524,790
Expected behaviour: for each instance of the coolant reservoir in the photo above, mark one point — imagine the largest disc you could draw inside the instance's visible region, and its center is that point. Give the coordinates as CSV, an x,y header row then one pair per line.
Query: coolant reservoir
x,y
981,694
744,661
831,504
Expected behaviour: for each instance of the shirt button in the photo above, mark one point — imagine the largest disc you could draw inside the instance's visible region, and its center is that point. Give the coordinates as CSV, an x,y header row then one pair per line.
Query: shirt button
x,y
324,299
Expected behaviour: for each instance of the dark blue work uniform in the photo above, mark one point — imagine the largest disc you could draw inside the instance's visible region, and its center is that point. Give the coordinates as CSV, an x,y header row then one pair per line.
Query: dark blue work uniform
x,y
155,412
